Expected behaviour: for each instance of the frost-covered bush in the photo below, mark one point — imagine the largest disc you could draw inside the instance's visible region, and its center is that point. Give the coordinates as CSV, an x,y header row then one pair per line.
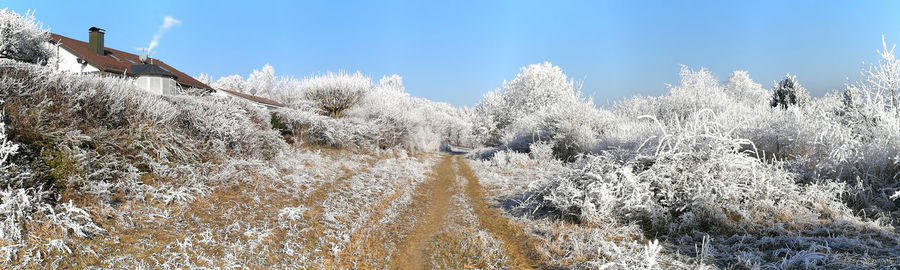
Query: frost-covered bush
x,y
540,104
375,116
94,103
261,82
385,117
788,92
851,136
882,80
861,132
743,89
334,93
103,137
406,120
7,148
227,124
697,178
697,90
712,163
232,82
18,206
535,88
348,133
23,38
415,123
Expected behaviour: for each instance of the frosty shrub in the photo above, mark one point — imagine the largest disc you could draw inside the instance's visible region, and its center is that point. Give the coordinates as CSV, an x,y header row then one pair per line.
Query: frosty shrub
x,y
745,90
415,123
317,129
713,164
101,133
883,78
232,82
205,79
261,82
375,116
698,178
227,124
22,38
7,148
788,92
335,92
862,135
540,104
402,118
265,83
19,205
385,117
697,90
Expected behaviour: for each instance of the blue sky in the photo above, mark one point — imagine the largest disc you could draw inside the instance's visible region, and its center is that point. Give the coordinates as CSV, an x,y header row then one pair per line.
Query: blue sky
x,y
454,51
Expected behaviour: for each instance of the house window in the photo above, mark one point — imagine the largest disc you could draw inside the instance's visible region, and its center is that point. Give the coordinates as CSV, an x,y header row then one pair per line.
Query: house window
x,y
157,85
168,86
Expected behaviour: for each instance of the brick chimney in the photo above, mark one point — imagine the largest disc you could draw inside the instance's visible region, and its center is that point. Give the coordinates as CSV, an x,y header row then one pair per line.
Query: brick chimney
x,y
96,40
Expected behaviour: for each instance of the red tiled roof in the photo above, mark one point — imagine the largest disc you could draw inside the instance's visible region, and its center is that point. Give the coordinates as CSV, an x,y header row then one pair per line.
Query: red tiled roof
x,y
253,98
110,64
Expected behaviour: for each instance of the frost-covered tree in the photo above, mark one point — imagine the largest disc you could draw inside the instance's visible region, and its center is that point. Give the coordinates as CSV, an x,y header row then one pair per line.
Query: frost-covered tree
x,y
697,90
394,82
205,79
22,38
883,79
262,81
744,89
788,92
539,104
535,88
335,92
232,82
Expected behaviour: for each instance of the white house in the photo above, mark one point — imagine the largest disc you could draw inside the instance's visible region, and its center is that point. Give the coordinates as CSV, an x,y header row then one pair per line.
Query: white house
x,y
150,74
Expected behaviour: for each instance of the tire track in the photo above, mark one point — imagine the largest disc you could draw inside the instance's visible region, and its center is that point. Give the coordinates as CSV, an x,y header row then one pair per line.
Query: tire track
x,y
434,201
516,243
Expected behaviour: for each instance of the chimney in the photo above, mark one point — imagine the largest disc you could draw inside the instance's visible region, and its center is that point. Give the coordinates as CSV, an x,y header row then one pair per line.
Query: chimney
x,y
96,40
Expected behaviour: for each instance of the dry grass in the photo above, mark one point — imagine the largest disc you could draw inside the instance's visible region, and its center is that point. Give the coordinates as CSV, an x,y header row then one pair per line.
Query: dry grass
x,y
437,220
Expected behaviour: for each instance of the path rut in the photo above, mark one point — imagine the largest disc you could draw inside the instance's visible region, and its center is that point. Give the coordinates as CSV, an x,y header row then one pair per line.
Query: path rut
x,y
434,200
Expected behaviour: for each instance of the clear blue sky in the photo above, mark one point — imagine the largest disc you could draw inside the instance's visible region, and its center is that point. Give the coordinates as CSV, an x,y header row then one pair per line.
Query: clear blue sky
x,y
454,51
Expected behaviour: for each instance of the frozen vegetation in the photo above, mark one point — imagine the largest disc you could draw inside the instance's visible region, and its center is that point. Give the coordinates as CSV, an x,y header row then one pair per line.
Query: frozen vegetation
x,y
724,174
712,175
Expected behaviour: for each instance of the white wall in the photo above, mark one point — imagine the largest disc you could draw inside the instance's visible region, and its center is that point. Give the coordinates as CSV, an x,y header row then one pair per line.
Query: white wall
x,y
157,85
68,62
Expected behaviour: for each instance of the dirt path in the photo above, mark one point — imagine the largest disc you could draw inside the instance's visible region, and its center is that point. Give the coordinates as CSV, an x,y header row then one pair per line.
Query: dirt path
x,y
434,199
516,243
